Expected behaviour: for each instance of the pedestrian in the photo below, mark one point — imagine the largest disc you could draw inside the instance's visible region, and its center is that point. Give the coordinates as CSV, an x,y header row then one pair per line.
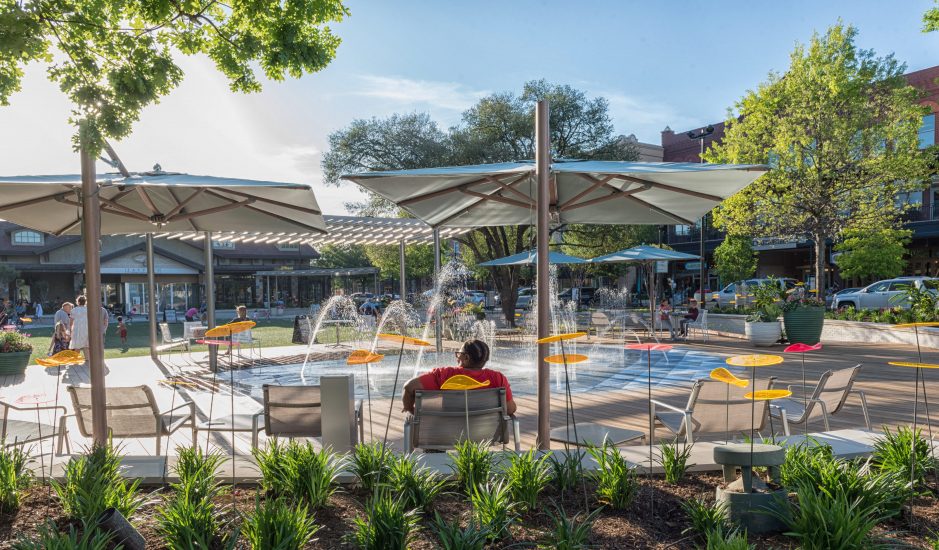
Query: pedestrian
x,y
59,339
79,331
122,331
39,310
191,314
62,315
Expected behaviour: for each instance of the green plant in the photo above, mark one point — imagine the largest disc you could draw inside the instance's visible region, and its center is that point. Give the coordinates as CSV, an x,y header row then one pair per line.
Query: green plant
x,y
824,518
494,508
675,460
279,525
767,299
93,483
13,342
14,476
724,540
370,462
705,518
50,538
567,472
299,471
527,475
472,463
188,520
388,524
453,537
616,483
894,453
569,533
416,485
804,461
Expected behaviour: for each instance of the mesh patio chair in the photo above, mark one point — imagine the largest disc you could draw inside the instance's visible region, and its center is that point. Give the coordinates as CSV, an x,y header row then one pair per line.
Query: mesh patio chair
x,y
168,343
132,412
713,407
20,432
827,398
600,323
700,324
444,417
296,411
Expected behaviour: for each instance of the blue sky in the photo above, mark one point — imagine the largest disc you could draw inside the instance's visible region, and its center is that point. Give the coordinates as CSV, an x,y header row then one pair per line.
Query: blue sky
x,y
672,62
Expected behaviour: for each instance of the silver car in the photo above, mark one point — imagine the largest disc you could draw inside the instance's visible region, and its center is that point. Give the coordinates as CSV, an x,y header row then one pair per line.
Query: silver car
x,y
884,294
728,295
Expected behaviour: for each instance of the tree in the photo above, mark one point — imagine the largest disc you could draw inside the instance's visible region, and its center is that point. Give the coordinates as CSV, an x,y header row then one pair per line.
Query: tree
x,y
418,258
498,128
839,129
867,255
117,56
735,259
341,256
931,19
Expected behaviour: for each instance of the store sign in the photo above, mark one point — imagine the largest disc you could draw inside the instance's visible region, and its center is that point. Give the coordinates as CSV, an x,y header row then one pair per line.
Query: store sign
x,y
775,243
694,266
661,266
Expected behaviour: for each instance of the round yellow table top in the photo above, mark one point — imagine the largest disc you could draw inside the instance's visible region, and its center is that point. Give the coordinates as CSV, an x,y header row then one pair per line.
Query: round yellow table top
x,y
913,365
363,356
406,339
568,358
723,375
767,395
755,360
559,337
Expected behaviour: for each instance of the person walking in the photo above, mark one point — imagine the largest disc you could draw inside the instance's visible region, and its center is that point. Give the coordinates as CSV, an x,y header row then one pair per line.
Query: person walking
x,y
79,331
62,315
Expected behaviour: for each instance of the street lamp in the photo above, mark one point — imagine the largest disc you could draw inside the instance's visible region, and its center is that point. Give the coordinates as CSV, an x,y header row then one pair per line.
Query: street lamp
x,y
701,135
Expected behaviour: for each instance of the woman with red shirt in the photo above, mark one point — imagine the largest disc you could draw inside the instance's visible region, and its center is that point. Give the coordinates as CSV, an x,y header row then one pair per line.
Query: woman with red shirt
x,y
472,359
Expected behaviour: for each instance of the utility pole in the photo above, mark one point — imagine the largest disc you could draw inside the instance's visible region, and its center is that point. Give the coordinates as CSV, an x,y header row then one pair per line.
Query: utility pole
x,y
700,135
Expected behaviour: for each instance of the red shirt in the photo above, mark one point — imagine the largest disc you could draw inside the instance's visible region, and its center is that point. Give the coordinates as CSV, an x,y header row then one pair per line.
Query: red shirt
x,y
434,379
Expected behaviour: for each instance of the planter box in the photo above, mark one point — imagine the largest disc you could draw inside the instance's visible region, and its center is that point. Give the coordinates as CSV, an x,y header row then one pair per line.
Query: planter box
x,y
804,325
763,334
14,363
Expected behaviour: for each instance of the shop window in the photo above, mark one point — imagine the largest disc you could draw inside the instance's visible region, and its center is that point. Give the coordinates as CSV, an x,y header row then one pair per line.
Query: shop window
x,y
927,131
26,237
223,245
286,247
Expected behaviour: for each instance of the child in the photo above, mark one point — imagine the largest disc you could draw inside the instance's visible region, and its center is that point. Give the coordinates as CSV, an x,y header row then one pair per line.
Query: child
x,y
59,339
122,330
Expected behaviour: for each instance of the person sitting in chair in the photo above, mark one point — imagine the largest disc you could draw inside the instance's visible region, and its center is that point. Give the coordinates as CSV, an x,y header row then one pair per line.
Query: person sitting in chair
x,y
472,359
242,315
689,317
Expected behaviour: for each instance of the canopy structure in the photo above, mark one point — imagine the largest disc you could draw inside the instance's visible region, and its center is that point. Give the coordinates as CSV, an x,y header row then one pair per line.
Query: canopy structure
x,y
531,257
591,192
555,192
644,253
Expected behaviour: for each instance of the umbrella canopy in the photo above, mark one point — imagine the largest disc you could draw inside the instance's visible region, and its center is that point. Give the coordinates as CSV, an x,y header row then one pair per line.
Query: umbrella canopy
x,y
162,201
531,257
594,192
644,253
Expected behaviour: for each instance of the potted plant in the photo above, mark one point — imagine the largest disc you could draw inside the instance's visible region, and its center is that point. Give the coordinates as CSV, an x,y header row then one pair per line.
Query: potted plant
x,y
803,316
476,310
15,351
762,325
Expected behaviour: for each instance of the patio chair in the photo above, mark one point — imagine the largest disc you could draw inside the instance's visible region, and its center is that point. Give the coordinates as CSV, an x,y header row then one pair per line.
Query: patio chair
x,y
700,324
132,412
826,399
168,343
297,411
600,323
19,432
247,339
444,417
713,407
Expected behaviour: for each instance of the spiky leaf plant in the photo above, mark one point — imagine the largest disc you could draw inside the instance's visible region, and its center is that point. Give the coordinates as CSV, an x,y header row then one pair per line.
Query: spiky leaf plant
x,y
454,537
567,472
894,452
728,540
824,518
675,460
472,464
527,475
50,538
705,518
616,483
93,483
388,524
188,520
493,507
14,477
569,533
298,471
416,485
370,463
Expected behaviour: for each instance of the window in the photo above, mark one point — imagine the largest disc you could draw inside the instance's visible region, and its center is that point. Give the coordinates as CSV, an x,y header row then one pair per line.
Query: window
x,y
927,132
223,245
288,246
27,238
879,287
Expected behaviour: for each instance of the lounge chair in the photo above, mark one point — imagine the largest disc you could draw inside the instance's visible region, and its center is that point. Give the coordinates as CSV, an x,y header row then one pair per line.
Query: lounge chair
x,y
826,399
444,417
168,343
297,411
19,432
132,412
713,407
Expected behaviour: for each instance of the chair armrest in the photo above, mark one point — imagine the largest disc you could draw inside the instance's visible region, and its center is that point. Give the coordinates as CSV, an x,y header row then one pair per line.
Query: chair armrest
x,y
32,409
191,406
669,407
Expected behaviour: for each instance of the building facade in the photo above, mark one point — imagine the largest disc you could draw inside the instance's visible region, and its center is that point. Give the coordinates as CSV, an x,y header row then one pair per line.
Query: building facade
x,y
786,258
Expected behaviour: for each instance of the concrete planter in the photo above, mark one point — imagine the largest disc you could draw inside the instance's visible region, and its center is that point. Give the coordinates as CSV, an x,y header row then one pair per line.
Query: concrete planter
x,y
14,363
804,324
763,334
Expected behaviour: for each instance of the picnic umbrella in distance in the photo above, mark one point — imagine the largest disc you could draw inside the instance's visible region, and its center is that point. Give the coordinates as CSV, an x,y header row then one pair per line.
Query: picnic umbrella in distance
x,y
148,202
543,192
530,257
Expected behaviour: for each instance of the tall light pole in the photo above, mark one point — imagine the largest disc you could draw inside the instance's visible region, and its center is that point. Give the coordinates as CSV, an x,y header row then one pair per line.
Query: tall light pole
x,y
700,135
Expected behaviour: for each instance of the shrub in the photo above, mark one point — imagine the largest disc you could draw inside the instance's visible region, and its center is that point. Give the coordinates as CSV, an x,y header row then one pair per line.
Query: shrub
x,y
616,483
279,525
12,342
894,451
830,518
705,518
388,524
569,533
189,520
472,464
49,538
527,475
567,472
299,471
416,485
453,537
494,508
675,461
93,483
733,540
14,477
370,463
803,462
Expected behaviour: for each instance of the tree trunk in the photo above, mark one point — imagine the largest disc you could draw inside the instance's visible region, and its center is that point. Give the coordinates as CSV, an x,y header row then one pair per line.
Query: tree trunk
x,y
820,265
506,283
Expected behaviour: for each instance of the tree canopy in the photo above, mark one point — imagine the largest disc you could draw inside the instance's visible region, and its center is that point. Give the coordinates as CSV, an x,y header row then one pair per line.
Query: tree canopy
x,y
872,255
498,128
112,58
840,130
931,19
735,259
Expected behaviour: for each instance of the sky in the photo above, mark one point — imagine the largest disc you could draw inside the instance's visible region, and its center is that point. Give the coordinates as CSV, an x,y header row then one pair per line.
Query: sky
x,y
676,63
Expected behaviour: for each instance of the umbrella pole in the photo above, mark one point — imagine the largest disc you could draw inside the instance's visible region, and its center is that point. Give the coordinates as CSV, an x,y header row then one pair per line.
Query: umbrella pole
x,y
91,231
542,173
209,275
438,329
151,298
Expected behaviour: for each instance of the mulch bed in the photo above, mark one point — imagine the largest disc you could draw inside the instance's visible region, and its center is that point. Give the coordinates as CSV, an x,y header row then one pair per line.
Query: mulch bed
x,y
640,527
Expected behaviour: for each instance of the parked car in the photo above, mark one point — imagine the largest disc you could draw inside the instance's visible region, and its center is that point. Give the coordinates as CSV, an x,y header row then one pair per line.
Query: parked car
x,y
525,295
476,297
727,296
884,294
585,295
830,299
